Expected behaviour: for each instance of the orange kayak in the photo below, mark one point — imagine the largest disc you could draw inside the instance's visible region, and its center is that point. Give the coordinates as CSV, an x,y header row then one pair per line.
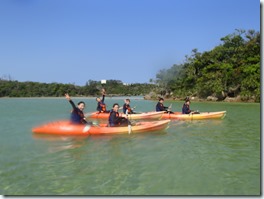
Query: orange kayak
x,y
193,116
67,128
136,116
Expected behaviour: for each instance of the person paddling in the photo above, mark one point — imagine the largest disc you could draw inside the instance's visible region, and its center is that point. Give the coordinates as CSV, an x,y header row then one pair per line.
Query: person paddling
x,y
186,107
126,107
77,116
114,119
161,107
101,106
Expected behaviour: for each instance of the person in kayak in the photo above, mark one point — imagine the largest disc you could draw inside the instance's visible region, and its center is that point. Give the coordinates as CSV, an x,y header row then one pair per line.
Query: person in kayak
x,y
77,116
101,106
186,107
126,107
161,107
114,119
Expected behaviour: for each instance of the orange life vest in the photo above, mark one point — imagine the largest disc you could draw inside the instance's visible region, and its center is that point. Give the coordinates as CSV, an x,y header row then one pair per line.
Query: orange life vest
x,y
103,107
128,108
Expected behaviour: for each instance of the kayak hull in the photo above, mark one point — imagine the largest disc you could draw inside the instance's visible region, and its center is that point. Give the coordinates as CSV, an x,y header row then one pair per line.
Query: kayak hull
x,y
200,116
143,116
67,128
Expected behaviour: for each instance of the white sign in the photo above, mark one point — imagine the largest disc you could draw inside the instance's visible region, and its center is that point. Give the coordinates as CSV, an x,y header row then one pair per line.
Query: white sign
x,y
103,81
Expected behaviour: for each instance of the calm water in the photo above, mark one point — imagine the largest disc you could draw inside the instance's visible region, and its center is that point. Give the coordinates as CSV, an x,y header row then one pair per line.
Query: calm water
x,y
209,157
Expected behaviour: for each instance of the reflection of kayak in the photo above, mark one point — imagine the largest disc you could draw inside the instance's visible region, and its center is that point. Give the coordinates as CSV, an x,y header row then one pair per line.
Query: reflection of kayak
x,y
136,116
67,128
194,116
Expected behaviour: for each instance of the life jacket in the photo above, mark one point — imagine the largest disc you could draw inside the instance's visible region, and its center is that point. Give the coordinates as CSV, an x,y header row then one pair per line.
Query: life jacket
x,y
77,116
111,122
186,109
103,107
128,109
159,107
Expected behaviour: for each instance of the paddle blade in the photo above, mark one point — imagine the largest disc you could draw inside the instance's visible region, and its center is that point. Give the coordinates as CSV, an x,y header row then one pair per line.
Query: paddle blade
x,y
129,129
86,128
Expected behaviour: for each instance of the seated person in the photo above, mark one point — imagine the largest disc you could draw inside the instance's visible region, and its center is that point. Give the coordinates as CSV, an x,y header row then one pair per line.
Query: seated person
x,y
186,107
161,107
114,119
77,116
101,106
126,107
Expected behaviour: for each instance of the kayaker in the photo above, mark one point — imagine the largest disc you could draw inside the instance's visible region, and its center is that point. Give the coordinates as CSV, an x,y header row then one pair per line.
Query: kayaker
x,y
186,107
101,106
161,107
114,119
126,107
77,116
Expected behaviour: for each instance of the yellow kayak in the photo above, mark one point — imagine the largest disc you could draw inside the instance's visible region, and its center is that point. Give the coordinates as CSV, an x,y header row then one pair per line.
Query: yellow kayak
x,y
195,116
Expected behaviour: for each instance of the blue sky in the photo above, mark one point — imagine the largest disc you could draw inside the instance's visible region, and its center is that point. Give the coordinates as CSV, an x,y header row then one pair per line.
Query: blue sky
x,y
73,41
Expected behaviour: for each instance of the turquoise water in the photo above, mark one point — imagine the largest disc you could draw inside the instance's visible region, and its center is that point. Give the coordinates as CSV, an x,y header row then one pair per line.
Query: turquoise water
x,y
208,157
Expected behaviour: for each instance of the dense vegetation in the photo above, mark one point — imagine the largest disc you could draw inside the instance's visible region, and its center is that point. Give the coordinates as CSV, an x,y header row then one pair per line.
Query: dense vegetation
x,y
231,69
92,88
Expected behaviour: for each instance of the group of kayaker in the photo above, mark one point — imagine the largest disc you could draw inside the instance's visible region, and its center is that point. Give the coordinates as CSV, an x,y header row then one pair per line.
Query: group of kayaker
x,y
78,117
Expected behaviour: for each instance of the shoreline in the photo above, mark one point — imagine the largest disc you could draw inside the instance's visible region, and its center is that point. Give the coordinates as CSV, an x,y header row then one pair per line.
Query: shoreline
x,y
140,98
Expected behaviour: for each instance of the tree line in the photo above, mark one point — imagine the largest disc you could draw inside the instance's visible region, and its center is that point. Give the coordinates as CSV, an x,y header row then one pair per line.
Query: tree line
x,y
11,88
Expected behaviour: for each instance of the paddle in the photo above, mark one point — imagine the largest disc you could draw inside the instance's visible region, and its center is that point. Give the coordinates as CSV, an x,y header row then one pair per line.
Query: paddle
x,y
128,123
88,125
169,108
86,115
86,128
168,111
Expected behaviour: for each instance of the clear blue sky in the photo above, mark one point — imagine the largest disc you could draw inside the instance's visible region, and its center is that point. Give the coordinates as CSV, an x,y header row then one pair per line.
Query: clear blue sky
x,y
72,41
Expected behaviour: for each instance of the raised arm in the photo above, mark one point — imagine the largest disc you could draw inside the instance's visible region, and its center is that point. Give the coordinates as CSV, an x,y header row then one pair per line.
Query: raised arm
x,y
67,96
103,94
